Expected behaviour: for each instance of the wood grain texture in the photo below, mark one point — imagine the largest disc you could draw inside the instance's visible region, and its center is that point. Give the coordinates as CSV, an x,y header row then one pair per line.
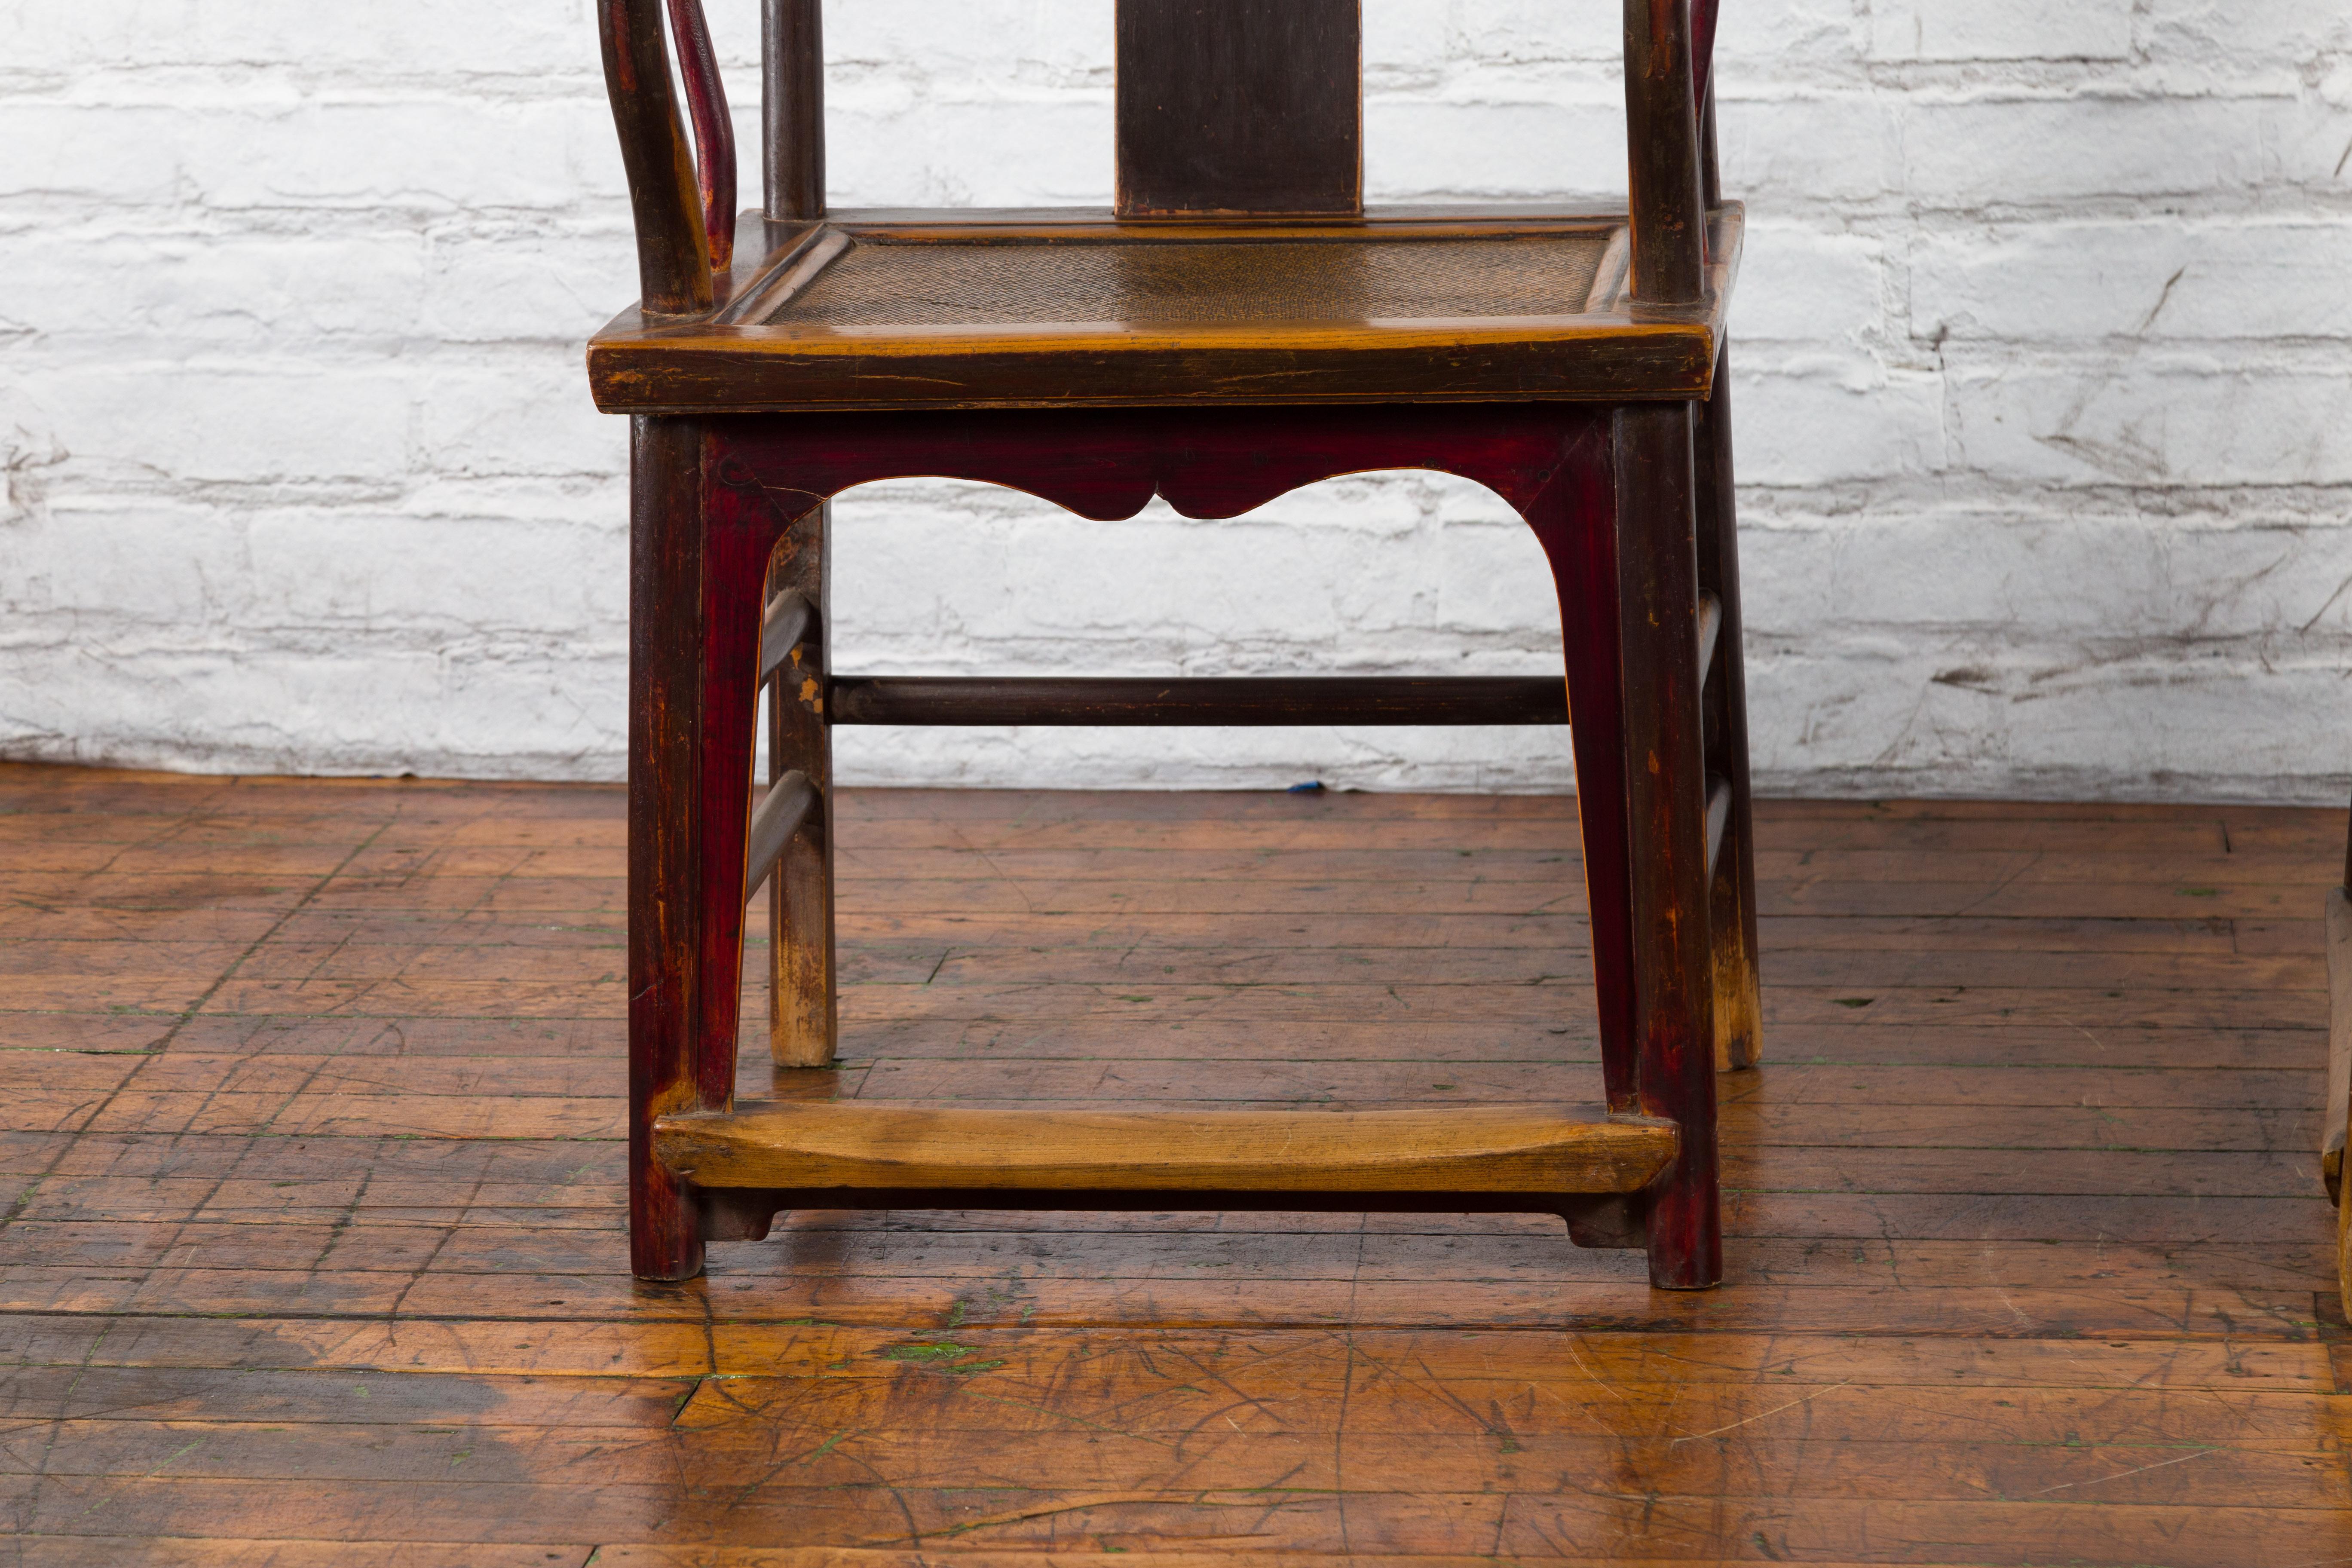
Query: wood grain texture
x,y
1667,821
1665,177
762,480
318,1150
1139,343
791,62
665,943
1239,107
714,127
1476,1149
1731,886
674,274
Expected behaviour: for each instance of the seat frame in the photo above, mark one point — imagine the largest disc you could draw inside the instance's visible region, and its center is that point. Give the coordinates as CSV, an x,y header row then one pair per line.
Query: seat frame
x,y
1625,482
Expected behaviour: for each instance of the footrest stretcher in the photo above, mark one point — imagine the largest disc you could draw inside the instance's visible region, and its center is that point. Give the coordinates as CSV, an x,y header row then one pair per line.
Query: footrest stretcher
x,y
1504,1152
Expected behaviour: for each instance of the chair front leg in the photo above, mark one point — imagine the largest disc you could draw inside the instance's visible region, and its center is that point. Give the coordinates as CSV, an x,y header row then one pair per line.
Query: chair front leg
x,y
1666,798
697,551
667,1046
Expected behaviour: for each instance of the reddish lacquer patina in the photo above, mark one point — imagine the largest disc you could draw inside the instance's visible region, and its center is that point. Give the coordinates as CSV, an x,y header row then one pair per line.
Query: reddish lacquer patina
x,y
714,132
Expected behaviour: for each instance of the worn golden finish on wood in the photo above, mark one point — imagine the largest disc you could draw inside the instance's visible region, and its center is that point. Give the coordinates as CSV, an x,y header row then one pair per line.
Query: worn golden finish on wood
x,y
1478,1149
315,1137
1024,309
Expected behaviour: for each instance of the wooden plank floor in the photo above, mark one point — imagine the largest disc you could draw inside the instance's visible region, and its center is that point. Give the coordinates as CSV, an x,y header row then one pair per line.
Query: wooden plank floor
x,y
315,1250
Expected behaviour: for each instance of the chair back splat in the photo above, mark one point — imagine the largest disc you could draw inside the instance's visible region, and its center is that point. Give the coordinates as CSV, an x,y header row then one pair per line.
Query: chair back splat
x,y
1244,108
1236,325
1238,108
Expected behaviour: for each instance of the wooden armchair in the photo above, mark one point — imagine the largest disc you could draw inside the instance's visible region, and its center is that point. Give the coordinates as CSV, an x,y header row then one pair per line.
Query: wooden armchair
x,y
1238,326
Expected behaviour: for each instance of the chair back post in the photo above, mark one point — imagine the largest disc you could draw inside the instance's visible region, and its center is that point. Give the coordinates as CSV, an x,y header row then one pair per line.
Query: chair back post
x,y
1668,204
673,244
792,63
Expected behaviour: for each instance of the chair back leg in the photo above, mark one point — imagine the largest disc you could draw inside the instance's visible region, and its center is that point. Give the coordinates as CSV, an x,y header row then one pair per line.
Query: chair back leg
x,y
804,1017
1739,1002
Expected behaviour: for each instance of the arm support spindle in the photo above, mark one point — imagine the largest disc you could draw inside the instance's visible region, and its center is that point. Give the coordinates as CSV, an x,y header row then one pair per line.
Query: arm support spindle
x,y
674,235
714,132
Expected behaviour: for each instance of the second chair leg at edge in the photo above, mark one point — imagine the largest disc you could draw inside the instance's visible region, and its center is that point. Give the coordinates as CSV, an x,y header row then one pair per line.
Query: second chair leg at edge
x,y
1731,893
802,1011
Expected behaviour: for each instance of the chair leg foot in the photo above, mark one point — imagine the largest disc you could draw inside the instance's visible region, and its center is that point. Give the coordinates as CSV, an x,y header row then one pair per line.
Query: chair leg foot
x,y
665,1228
1686,1237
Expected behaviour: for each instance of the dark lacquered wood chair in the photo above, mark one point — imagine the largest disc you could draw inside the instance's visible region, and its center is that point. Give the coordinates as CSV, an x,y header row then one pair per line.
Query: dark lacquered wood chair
x,y
2335,1108
1238,326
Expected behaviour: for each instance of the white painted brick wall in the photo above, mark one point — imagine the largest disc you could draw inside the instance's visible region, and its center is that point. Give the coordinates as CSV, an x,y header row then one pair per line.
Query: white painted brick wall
x,y
2044,391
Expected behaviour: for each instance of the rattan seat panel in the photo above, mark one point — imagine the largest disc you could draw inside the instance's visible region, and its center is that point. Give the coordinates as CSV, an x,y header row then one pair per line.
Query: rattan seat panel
x,y
1004,283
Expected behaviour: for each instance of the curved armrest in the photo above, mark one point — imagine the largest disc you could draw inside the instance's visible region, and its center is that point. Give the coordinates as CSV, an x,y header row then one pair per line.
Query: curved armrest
x,y
684,216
